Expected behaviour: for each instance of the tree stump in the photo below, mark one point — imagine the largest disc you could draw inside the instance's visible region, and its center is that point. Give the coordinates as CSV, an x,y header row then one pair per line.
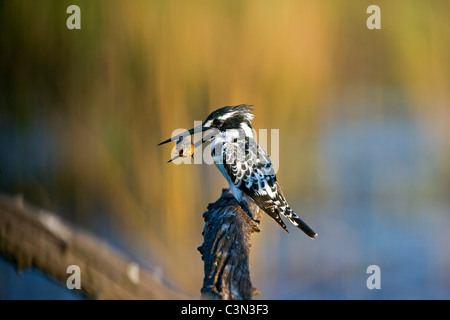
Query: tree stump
x,y
226,247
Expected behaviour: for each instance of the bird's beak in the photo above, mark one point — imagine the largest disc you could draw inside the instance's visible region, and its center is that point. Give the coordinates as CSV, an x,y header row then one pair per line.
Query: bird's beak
x,y
200,128
196,129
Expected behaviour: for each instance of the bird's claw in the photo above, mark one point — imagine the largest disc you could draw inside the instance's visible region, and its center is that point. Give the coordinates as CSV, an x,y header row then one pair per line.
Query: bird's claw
x,y
245,207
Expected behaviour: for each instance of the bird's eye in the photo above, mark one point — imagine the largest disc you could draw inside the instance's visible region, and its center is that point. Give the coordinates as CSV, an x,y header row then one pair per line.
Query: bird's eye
x,y
217,122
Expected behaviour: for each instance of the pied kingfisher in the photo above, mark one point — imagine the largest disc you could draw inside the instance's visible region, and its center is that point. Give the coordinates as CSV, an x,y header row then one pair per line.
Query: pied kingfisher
x,y
244,163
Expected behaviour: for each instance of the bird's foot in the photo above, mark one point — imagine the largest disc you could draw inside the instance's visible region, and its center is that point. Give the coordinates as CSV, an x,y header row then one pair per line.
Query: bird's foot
x,y
245,207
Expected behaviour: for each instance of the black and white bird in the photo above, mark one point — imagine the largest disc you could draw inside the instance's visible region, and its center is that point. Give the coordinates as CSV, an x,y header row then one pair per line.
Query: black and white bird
x,y
245,164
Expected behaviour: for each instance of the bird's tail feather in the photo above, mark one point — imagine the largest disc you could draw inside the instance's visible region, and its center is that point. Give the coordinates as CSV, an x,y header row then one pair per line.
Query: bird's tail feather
x,y
299,223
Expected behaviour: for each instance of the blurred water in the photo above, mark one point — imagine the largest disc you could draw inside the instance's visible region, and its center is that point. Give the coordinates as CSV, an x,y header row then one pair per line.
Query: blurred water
x,y
31,284
380,213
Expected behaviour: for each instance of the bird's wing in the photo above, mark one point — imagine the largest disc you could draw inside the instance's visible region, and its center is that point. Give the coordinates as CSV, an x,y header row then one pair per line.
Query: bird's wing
x,y
251,170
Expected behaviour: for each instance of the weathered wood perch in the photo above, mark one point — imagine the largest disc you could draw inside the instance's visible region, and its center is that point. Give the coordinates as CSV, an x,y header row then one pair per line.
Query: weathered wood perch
x,y
35,238
225,250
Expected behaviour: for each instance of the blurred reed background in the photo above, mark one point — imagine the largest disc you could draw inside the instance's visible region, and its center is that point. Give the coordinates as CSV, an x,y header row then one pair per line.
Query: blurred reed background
x,y
364,122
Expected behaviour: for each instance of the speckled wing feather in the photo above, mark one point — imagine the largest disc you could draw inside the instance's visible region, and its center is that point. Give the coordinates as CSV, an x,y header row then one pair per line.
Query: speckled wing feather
x,y
251,170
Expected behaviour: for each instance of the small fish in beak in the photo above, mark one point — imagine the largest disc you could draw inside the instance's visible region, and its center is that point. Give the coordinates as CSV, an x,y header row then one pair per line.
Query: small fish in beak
x,y
185,147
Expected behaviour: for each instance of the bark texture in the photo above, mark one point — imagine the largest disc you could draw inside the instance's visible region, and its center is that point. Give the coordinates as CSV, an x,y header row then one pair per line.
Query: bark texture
x,y
226,247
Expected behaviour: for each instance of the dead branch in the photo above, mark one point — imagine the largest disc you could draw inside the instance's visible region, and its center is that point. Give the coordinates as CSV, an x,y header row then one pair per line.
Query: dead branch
x,y
35,238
